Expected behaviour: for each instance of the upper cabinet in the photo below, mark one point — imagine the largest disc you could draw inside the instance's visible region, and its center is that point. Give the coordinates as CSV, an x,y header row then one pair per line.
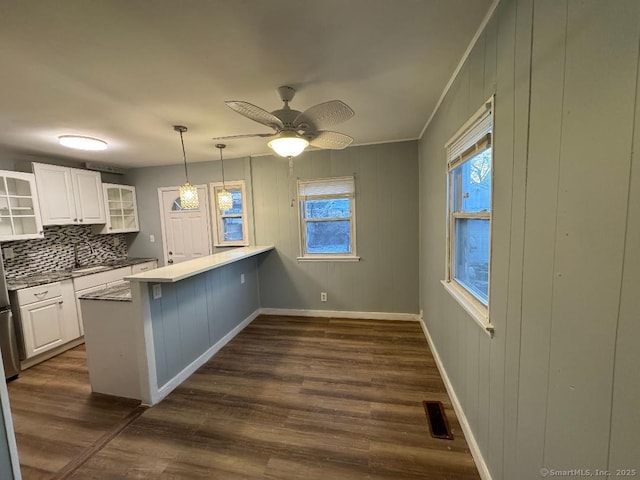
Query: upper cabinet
x,y
69,195
19,208
122,210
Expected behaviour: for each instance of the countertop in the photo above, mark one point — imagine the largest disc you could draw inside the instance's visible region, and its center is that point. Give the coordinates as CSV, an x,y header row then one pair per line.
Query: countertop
x,y
60,275
180,271
118,293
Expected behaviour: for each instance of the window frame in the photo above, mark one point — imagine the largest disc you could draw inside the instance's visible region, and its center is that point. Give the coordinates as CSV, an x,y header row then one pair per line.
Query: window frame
x,y
302,221
218,231
461,148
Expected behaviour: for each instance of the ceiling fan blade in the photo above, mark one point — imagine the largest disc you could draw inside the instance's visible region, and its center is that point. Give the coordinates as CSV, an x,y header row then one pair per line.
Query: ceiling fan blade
x,y
254,113
324,115
330,140
247,135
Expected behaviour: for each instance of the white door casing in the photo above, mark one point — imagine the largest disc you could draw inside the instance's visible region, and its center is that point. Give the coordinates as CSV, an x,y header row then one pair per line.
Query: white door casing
x,y
186,234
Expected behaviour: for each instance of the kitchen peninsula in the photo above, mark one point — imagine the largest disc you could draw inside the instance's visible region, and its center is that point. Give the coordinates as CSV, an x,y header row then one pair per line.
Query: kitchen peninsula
x,y
150,337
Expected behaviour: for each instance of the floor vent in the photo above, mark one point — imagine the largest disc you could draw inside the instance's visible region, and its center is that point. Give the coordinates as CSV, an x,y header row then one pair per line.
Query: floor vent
x,y
437,420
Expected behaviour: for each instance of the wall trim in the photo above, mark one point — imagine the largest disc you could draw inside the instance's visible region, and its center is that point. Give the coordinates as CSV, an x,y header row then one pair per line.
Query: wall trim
x,y
293,312
464,423
186,372
465,55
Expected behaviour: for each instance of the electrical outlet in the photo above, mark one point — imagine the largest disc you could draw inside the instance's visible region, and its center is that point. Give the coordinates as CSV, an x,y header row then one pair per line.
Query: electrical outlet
x,y
152,238
8,253
116,241
157,291
323,296
242,278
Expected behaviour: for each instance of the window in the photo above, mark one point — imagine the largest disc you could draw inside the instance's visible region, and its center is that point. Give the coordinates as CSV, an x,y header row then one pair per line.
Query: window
x,y
231,225
469,157
327,219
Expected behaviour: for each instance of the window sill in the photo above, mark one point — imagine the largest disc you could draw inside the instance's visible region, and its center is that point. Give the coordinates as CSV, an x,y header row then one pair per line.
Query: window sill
x,y
478,312
329,258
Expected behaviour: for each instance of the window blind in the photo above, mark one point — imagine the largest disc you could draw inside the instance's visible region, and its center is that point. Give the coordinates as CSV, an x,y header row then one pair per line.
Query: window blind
x,y
326,186
479,131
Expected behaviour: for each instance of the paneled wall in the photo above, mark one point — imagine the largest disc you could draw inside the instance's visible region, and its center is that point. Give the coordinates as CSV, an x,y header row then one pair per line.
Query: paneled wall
x,y
194,314
557,386
147,181
386,277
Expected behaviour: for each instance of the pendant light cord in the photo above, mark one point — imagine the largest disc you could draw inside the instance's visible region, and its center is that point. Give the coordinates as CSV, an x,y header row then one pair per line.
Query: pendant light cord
x,y
184,157
222,165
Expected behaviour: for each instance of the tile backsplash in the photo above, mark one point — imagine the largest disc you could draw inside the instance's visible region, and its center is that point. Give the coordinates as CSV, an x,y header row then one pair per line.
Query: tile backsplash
x,y
56,250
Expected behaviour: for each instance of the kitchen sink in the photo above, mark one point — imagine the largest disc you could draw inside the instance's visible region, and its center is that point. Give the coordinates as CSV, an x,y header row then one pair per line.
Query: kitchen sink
x,y
89,269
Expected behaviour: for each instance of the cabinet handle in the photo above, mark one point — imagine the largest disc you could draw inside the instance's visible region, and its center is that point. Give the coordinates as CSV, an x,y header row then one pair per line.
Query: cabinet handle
x,y
60,302
170,260
80,219
75,219
39,294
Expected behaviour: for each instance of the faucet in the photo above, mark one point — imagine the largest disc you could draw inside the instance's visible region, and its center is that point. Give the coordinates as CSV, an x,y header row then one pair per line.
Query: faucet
x,y
76,262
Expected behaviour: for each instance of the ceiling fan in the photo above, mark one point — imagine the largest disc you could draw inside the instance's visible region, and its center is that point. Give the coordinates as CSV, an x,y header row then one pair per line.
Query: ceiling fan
x,y
295,130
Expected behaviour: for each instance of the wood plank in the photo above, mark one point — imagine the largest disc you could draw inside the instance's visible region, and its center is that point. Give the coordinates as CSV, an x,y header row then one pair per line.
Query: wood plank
x,y
591,225
291,398
55,415
521,14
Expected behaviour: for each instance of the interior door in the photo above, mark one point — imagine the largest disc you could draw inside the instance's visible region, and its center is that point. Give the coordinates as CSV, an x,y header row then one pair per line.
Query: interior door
x,y
186,233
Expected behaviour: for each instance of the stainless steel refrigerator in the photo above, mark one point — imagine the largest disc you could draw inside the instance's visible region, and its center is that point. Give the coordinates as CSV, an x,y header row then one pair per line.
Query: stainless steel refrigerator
x,y
8,343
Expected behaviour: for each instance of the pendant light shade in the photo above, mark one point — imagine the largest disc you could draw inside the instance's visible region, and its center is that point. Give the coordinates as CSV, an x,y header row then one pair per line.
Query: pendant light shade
x,y
225,200
188,193
288,144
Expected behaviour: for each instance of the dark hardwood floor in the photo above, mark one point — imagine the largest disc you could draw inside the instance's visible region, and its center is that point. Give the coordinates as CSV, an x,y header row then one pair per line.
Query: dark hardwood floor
x,y
55,415
288,398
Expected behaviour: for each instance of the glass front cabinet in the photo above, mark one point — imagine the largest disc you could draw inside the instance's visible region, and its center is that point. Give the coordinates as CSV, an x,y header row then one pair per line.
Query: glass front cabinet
x,y
19,207
122,210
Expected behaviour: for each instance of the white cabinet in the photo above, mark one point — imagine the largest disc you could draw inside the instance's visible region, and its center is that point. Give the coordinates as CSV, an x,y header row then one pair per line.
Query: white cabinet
x,y
121,209
45,319
69,195
19,207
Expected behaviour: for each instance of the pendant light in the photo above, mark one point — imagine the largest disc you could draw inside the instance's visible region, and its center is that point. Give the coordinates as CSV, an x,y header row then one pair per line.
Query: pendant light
x,y
225,200
188,193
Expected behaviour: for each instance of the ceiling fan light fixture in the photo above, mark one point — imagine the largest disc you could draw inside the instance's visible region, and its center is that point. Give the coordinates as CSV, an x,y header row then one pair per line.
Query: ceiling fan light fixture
x,y
288,144
79,142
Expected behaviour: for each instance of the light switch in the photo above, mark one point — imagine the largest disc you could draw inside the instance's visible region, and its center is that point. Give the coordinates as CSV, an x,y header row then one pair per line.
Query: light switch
x,y
152,238
157,291
242,278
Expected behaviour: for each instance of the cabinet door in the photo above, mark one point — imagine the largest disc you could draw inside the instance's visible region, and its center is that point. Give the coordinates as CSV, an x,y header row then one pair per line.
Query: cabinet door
x,y
69,310
42,326
55,192
121,209
88,196
19,209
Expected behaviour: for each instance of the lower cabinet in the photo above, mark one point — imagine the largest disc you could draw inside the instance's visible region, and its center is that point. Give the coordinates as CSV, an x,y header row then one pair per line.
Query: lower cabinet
x,y
50,314
47,320
42,324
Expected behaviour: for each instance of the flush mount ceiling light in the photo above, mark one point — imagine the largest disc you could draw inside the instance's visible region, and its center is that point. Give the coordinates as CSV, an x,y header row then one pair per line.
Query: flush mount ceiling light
x,y
82,143
288,144
188,193
225,200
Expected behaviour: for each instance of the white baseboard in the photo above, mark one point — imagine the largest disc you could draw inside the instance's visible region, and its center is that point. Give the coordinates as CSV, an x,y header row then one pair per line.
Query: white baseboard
x,y
464,423
186,372
292,312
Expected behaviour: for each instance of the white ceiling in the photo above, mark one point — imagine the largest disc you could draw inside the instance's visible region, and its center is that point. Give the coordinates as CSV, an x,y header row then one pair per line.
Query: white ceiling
x,y
127,70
